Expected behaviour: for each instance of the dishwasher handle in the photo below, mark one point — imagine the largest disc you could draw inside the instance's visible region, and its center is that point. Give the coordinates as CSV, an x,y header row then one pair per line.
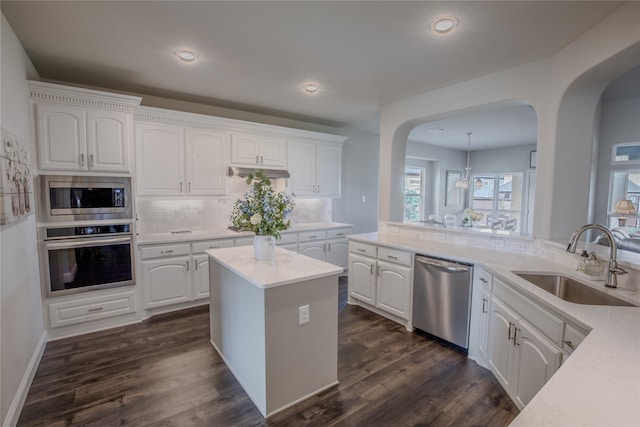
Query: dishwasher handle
x,y
442,265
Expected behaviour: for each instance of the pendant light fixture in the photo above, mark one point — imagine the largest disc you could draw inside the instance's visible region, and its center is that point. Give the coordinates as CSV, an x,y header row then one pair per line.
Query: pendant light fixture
x,y
464,182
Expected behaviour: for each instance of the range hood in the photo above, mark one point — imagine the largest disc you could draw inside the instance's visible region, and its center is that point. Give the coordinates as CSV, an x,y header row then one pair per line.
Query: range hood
x,y
269,173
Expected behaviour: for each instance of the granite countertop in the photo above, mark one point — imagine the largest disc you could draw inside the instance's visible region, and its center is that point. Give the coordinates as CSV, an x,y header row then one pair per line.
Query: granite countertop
x,y
180,236
599,384
287,268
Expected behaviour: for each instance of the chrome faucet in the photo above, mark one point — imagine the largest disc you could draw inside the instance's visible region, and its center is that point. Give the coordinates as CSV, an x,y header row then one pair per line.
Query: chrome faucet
x,y
613,270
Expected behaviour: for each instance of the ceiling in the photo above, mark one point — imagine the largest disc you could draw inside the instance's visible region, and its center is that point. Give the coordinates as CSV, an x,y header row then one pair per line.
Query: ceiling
x,y
255,56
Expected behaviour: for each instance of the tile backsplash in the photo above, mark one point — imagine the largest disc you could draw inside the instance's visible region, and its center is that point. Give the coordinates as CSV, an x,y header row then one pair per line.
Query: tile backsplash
x,y
162,215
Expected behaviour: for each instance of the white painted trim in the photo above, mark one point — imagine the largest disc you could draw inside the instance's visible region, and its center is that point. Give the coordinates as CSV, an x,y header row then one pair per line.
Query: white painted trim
x,y
21,394
181,118
295,402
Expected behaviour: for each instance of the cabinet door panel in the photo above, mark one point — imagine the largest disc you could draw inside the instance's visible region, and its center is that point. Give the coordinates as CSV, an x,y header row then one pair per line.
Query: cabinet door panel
x,y
165,281
328,170
394,288
200,276
244,149
61,137
108,141
338,252
160,160
362,278
273,152
535,361
499,346
206,162
302,167
313,250
485,304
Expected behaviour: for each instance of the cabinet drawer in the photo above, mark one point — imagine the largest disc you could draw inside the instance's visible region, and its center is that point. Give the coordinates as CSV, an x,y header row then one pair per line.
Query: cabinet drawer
x,y
484,278
543,320
309,236
199,247
287,238
88,309
396,256
363,249
338,233
165,251
572,338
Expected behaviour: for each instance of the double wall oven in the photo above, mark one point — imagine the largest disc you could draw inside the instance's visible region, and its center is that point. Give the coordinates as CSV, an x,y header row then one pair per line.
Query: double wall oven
x,y
85,233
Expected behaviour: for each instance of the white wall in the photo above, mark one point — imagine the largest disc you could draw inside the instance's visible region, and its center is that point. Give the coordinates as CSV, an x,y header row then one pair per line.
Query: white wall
x,y
564,91
21,324
619,123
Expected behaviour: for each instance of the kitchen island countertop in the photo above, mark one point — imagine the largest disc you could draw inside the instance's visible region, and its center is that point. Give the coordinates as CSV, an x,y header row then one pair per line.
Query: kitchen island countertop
x,y
288,266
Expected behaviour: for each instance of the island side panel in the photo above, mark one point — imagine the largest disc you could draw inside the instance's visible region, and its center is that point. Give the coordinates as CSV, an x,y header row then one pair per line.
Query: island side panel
x,y
237,327
301,359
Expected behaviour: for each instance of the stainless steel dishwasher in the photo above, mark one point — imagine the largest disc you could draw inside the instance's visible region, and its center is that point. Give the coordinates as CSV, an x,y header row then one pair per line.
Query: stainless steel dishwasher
x,y
442,298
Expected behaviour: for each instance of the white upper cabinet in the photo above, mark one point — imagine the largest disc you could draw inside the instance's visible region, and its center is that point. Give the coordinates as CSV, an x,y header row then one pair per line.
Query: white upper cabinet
x,y
315,168
62,140
174,161
159,160
206,162
108,141
302,167
255,150
80,130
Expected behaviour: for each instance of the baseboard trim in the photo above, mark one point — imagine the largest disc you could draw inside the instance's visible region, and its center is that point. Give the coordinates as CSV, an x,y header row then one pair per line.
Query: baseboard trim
x,y
21,394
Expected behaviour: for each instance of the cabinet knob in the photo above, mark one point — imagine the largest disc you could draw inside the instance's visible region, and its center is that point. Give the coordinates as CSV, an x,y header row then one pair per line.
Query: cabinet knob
x,y
569,344
94,309
81,159
91,160
166,252
483,280
484,305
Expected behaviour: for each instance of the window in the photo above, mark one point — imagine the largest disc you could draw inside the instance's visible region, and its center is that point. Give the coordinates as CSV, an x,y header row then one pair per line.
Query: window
x,y
413,202
626,152
499,195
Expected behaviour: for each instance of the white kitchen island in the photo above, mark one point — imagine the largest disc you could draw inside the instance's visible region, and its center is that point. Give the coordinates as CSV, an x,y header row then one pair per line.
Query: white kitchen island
x,y
257,326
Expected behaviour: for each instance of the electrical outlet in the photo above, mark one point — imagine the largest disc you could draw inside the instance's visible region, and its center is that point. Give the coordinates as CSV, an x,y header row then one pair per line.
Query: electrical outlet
x,y
303,315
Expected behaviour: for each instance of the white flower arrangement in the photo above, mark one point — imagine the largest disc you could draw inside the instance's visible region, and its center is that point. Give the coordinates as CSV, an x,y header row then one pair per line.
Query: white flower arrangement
x,y
262,211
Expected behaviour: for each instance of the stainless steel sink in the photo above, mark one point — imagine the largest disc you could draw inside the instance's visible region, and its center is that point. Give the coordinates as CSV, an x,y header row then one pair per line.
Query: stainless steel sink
x,y
571,290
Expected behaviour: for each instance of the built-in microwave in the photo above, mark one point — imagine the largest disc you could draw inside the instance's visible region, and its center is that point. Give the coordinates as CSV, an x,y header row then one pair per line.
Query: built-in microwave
x,y
85,198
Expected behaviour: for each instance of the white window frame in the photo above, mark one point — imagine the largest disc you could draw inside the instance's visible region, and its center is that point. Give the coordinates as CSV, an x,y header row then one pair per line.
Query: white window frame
x,y
615,147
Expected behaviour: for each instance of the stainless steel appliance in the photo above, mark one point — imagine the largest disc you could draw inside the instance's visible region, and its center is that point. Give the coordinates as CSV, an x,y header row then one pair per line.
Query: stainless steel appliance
x,y
84,198
83,257
442,298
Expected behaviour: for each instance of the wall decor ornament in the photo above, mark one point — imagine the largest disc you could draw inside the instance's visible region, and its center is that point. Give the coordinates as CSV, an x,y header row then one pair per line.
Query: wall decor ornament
x,y
16,183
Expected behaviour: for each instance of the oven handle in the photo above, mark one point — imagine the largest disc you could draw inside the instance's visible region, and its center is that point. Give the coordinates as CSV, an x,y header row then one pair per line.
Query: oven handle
x,y
87,242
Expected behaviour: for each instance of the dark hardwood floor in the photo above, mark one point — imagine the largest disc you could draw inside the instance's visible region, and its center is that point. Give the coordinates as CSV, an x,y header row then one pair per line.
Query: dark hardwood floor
x,y
164,372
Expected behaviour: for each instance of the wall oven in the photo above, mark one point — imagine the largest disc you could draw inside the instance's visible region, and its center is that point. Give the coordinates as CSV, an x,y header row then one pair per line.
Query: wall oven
x,y
84,198
85,257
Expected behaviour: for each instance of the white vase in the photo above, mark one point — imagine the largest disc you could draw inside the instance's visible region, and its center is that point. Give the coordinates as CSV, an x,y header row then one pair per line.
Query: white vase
x,y
264,248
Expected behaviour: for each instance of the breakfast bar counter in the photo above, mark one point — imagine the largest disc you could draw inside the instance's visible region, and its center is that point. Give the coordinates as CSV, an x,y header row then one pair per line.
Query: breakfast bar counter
x,y
275,323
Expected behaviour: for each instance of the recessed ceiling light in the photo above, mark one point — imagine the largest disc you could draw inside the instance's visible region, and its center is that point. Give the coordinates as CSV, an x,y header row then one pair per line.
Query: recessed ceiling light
x,y
311,87
444,25
186,55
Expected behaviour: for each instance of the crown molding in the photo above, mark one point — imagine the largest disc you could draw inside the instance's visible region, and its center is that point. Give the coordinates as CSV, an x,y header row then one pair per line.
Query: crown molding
x,y
55,93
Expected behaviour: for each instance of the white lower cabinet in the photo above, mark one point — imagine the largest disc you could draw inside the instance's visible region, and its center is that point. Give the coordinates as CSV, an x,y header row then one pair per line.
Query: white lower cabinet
x,y
393,288
331,245
381,278
518,353
480,304
174,274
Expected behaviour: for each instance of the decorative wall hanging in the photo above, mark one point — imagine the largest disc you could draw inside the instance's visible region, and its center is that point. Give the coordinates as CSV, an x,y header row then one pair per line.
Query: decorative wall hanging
x,y
16,184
